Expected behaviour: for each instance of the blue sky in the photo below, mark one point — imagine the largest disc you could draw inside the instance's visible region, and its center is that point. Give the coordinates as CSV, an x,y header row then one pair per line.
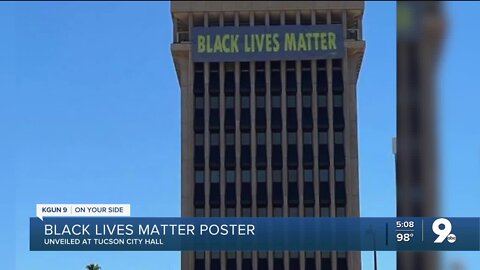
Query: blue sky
x,y
91,112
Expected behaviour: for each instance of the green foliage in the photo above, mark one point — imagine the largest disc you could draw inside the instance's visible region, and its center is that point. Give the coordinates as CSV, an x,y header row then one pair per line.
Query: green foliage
x,y
93,267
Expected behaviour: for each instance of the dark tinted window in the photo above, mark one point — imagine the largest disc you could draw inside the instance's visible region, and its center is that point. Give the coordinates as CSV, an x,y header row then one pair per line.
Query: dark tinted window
x,y
199,176
198,102
214,104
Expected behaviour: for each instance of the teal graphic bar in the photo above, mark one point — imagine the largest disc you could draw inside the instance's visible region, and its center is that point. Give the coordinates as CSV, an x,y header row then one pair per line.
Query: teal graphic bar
x,y
341,234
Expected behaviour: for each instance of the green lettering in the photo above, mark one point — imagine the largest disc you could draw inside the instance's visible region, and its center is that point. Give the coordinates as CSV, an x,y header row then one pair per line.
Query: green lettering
x,y
276,43
259,39
247,48
290,44
268,42
316,36
301,43
209,48
224,43
309,41
234,43
332,44
323,41
218,43
200,44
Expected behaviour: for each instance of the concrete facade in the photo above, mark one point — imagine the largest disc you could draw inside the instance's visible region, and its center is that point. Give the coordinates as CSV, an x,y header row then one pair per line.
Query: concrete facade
x,y
211,174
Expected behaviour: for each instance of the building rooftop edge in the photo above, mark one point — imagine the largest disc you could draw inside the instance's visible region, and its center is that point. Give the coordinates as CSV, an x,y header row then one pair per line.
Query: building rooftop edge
x,y
239,6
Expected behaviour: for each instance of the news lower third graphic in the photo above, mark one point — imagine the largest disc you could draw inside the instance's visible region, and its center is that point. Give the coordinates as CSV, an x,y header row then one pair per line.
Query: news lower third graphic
x,y
83,227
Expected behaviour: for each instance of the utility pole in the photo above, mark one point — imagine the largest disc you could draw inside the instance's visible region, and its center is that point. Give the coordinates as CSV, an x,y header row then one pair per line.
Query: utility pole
x,y
419,35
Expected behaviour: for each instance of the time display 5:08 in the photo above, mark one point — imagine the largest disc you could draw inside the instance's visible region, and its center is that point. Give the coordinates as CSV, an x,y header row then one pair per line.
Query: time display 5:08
x,y
404,230
405,224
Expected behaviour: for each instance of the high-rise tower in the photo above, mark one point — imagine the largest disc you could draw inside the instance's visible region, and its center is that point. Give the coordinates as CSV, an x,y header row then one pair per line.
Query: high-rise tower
x,y
271,132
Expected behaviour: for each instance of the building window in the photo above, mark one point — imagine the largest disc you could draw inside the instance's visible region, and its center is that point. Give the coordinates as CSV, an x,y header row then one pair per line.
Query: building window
x,y
213,20
293,212
337,101
246,212
245,102
231,212
231,257
290,19
199,255
274,19
276,101
309,254
305,19
214,176
307,138
230,138
325,255
259,19
228,21
245,176
339,175
214,139
324,212
260,102
198,139
244,20
341,212
214,102
309,212
199,178
292,137
278,255
276,138
277,212
215,260
229,102
245,138
338,137
230,176
323,175
307,101
229,66
261,138
199,212
277,176
310,260
215,212
292,175
291,101
198,102
323,137
262,212
261,176
308,175
322,101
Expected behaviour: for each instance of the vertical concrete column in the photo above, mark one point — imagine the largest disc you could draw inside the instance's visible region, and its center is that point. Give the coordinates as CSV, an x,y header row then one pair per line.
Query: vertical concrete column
x,y
222,149
284,140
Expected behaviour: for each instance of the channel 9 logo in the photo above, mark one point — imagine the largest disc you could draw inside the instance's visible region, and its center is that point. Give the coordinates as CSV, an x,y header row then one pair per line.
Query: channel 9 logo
x,y
443,228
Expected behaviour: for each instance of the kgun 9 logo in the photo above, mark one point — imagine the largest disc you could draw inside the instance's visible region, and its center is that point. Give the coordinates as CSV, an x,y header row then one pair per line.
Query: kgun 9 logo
x,y
443,228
